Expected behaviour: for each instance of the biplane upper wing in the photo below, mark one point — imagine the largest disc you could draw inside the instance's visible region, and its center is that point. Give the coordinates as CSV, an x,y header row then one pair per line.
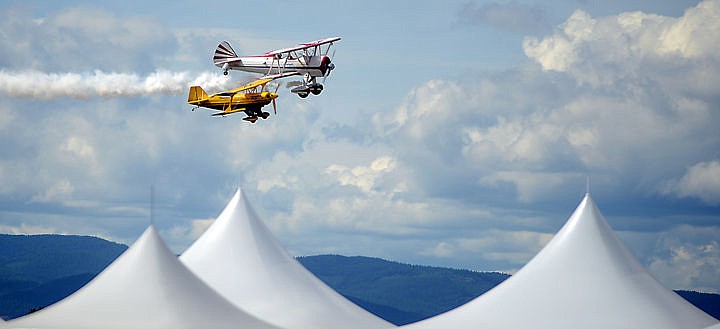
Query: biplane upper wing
x,y
303,46
253,84
320,42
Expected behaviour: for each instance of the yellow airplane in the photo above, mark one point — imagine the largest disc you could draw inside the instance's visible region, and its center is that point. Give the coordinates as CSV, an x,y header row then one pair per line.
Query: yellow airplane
x,y
250,99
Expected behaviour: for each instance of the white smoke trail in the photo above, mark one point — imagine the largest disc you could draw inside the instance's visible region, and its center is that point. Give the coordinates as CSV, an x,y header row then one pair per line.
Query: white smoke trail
x,y
41,85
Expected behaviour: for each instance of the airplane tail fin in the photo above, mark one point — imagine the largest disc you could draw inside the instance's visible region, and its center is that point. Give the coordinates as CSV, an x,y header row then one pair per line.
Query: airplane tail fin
x,y
197,94
223,52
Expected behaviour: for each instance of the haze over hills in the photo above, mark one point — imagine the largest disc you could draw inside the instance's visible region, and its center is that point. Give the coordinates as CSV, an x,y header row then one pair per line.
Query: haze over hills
x,y
36,271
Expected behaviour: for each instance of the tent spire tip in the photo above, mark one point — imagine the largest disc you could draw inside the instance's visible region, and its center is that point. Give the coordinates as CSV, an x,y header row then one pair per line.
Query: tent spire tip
x,y
587,184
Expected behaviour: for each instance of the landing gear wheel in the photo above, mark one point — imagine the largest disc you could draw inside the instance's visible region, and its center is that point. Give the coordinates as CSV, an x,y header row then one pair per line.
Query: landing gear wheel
x,y
317,89
265,115
303,94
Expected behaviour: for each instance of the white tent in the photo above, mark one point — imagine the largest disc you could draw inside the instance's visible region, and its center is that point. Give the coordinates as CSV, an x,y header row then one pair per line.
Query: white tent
x,y
145,288
241,259
583,278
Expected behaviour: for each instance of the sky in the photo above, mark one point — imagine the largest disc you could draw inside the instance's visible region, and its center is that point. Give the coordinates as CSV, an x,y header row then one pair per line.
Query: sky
x,y
454,133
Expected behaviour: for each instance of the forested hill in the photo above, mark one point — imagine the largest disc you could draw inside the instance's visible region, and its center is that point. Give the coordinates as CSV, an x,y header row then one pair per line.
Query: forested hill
x,y
409,292
37,270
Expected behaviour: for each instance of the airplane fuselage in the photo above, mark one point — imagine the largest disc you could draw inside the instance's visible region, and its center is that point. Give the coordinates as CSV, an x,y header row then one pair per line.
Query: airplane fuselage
x,y
237,100
315,66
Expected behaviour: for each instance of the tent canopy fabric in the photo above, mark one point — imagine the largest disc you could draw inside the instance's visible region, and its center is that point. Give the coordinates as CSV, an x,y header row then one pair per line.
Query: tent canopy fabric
x,y
241,259
583,278
145,288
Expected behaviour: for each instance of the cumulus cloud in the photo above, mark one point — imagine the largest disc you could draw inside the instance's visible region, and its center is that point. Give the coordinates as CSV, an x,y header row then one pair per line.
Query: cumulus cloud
x,y
689,264
97,158
423,104
701,181
60,191
605,99
532,186
632,45
336,184
363,177
79,38
178,235
695,34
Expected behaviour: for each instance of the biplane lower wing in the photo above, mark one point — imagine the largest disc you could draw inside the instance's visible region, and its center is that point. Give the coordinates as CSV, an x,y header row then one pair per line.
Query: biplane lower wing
x,y
281,75
226,112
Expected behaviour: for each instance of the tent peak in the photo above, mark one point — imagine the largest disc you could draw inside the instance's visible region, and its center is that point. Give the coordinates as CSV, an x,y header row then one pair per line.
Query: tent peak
x,y
240,257
583,277
150,231
149,288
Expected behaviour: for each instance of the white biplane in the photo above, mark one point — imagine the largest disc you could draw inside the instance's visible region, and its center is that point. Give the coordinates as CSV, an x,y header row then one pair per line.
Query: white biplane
x,y
311,60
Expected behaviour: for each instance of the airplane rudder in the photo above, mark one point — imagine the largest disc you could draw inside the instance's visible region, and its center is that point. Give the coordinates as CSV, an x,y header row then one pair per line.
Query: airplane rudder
x,y
196,94
223,52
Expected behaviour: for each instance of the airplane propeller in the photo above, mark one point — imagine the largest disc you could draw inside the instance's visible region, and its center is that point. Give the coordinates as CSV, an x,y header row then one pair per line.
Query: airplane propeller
x,y
279,84
330,66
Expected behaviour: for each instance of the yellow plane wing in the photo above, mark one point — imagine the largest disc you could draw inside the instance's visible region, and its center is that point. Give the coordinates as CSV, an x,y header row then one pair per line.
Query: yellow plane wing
x,y
229,111
259,82
251,85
